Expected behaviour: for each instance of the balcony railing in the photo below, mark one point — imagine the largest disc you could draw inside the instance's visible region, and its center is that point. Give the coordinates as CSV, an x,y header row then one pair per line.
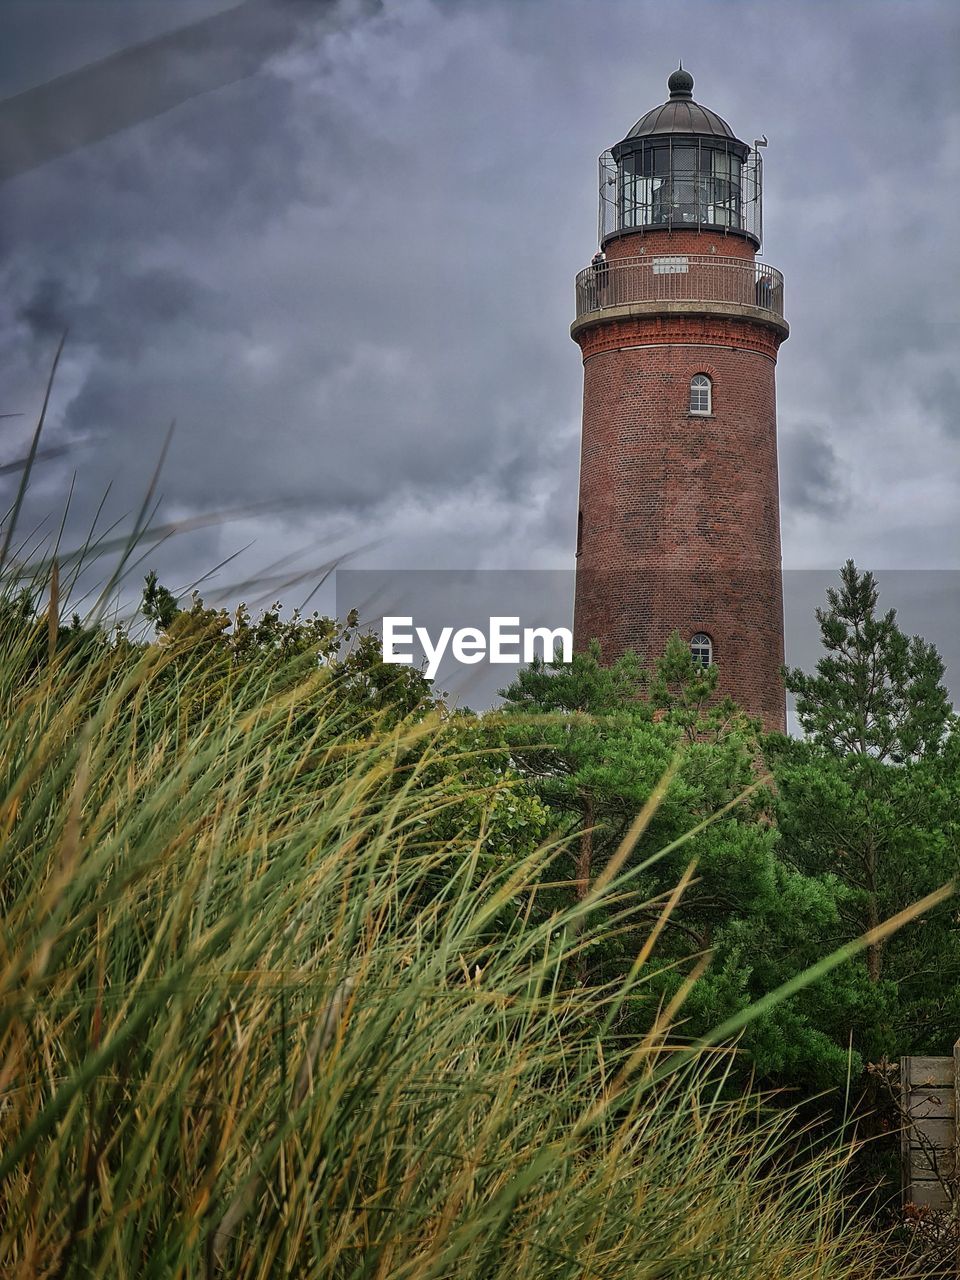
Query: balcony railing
x,y
680,278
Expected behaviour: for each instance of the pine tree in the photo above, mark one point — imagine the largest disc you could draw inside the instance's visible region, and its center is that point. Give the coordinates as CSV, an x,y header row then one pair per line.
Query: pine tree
x,y
877,692
866,796
595,741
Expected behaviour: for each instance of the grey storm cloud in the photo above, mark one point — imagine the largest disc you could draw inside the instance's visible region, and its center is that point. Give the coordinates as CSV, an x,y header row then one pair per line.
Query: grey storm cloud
x,y
46,310
812,480
141,80
337,242
156,296
940,397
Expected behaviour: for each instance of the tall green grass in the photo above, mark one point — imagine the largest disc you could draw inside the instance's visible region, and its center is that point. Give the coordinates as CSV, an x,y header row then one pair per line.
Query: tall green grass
x,y
257,1018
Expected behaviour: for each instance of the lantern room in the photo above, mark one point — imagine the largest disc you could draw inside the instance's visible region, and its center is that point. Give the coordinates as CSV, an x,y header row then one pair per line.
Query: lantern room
x,y
681,167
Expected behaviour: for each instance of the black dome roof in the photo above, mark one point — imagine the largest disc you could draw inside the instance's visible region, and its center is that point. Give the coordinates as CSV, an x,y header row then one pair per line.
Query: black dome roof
x,y
680,114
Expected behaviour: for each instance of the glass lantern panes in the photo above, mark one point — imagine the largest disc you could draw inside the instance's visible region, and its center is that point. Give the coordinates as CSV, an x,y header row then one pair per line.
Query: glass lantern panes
x,y
723,190
678,182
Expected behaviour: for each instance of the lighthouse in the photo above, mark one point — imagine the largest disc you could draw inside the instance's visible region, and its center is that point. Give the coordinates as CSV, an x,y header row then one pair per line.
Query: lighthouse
x,y
679,324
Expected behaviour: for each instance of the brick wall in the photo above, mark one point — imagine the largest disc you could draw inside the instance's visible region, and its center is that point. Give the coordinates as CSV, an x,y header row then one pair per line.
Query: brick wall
x,y
680,513
681,240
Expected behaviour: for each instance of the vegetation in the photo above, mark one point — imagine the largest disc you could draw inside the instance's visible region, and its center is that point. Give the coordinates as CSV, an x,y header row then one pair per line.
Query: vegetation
x,y
303,975
870,797
816,840
294,980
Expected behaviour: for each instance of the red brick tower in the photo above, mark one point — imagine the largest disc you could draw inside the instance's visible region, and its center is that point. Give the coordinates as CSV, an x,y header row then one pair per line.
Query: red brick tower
x,y
679,325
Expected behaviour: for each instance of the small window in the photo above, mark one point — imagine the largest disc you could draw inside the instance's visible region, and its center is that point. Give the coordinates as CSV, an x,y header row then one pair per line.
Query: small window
x,y
579,532
701,394
701,649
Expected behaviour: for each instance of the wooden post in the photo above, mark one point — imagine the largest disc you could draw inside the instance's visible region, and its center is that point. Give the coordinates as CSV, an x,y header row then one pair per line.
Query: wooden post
x,y
928,1140
906,1184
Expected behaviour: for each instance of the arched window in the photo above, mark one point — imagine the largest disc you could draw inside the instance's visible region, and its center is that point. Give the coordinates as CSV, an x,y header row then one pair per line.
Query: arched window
x,y
701,394
701,649
579,532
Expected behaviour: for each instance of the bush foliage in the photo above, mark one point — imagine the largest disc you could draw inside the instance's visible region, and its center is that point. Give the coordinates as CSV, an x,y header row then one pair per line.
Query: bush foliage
x,y
296,980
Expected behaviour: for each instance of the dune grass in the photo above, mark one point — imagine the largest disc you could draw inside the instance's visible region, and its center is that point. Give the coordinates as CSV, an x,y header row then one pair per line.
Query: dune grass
x,y
263,1014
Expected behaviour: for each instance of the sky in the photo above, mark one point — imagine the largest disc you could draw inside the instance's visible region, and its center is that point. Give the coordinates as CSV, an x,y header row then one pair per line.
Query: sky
x,y
335,244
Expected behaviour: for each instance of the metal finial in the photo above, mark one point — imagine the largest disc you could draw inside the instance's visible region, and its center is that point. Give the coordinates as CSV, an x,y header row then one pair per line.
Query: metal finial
x,y
680,83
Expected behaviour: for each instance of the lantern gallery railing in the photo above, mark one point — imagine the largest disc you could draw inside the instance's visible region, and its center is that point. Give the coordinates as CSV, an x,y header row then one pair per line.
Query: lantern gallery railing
x,y
679,278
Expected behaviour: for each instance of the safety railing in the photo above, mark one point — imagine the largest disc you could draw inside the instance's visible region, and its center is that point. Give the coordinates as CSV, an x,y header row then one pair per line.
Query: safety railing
x,y
679,278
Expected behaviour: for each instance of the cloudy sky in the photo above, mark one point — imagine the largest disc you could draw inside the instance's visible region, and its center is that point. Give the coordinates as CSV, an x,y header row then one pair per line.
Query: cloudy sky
x,y
336,244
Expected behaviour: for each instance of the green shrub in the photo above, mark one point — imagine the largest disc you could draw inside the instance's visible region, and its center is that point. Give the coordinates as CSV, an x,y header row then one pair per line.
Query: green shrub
x,y
274,1003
